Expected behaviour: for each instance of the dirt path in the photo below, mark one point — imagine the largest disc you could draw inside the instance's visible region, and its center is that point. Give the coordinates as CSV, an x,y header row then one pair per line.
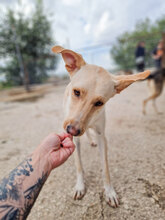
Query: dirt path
x,y
136,156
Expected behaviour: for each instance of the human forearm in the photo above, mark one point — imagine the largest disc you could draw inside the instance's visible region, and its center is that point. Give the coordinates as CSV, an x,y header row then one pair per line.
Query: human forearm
x,y
20,189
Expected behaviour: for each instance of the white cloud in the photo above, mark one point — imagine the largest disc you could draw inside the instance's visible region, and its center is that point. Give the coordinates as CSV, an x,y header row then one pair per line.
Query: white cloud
x,y
87,28
71,2
103,24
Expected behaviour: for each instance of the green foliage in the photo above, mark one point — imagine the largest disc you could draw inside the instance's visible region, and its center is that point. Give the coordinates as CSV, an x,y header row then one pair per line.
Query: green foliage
x,y
32,35
5,85
123,51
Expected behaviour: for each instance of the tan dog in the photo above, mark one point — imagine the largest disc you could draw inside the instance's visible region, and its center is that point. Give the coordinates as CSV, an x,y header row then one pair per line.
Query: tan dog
x,y
90,88
155,84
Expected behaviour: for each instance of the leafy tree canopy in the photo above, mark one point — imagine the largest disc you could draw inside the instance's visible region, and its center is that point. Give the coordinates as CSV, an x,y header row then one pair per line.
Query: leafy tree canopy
x,y
25,44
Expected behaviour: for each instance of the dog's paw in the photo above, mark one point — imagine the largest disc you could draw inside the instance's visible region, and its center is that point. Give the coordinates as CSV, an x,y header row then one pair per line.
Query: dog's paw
x,y
144,111
160,113
79,191
111,197
93,144
79,194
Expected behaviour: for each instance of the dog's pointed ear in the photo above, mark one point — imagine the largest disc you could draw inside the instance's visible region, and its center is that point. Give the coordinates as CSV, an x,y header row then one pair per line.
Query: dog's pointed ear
x,y
123,81
73,61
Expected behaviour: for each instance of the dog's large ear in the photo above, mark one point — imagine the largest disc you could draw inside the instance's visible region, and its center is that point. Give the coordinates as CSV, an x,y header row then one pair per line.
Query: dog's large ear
x,y
123,81
73,61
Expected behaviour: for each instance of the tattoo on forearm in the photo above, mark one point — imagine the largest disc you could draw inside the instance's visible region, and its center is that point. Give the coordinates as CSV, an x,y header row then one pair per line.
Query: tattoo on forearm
x,y
16,202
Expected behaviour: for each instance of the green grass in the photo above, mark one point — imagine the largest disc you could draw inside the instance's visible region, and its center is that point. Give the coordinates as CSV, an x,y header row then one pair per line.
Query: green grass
x,y
5,85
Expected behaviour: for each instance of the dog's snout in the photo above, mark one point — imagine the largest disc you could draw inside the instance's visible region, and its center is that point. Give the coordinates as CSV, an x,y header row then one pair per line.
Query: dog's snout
x,y
72,130
68,128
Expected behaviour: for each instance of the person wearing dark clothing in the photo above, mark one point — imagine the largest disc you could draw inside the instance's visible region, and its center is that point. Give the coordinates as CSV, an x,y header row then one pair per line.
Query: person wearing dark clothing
x,y
157,55
159,73
140,56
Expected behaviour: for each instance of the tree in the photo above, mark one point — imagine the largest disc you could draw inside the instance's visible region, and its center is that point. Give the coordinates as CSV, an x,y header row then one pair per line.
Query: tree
x,y
124,49
25,44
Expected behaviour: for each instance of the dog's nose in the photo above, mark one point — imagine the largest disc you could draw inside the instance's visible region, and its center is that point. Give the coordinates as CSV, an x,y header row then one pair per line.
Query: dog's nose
x,y
72,130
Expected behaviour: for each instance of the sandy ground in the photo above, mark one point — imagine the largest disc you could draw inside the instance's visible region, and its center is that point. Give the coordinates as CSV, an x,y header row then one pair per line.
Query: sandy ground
x,y
136,157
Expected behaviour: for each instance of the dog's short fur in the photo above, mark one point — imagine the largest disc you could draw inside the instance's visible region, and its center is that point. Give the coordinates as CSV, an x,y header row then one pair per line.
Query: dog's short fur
x,y
90,88
155,84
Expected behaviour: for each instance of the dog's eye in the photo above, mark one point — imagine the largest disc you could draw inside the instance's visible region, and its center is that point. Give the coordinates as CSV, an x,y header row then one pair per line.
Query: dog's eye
x,y
76,92
98,103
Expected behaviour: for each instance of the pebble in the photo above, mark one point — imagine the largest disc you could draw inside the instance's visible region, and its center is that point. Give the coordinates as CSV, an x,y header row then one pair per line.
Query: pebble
x,y
126,206
152,200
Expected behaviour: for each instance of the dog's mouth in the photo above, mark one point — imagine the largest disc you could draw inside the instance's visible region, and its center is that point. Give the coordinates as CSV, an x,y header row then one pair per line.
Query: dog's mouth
x,y
73,127
74,131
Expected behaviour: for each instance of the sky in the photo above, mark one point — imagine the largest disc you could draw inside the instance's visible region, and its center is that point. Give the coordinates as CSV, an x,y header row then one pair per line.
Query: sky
x,y
81,24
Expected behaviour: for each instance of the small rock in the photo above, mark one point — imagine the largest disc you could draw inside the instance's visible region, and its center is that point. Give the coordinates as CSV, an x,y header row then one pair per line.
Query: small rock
x,y
155,198
126,206
152,200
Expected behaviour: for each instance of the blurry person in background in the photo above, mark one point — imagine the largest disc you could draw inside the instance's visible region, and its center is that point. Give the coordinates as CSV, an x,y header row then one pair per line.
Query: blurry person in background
x,y
157,55
140,56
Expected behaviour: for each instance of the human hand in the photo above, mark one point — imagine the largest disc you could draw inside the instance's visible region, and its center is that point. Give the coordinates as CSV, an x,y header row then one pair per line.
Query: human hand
x,y
56,149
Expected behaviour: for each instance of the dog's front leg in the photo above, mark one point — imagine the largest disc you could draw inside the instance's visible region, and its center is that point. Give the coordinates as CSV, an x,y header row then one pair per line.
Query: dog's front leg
x,y
90,138
110,194
80,186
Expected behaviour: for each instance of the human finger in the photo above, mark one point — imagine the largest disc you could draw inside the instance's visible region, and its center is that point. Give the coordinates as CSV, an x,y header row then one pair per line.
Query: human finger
x,y
67,142
64,135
